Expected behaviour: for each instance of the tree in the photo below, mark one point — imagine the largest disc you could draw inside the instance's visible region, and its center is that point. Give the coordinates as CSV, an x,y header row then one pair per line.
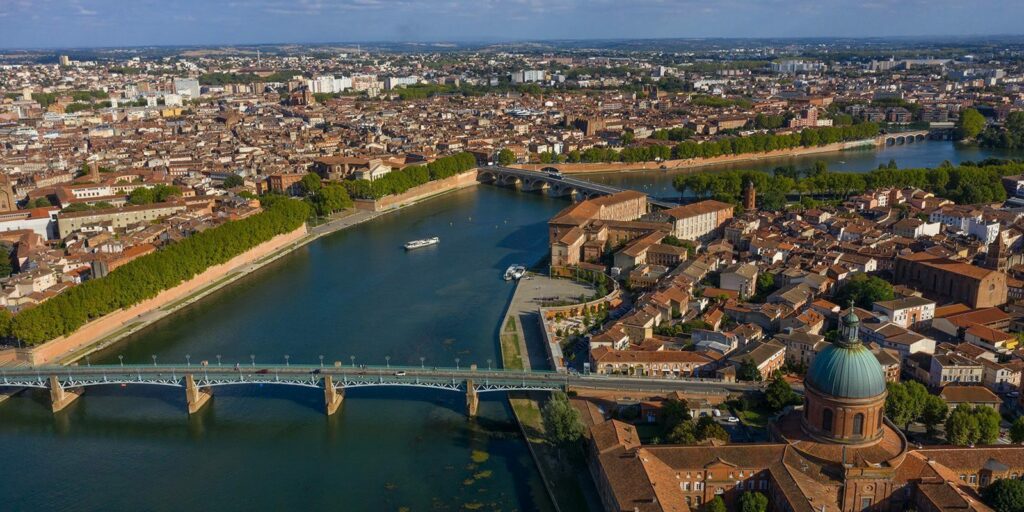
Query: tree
x,y
962,426
141,195
970,124
1005,495
933,412
863,290
748,371
330,199
674,412
506,157
715,505
780,394
683,433
562,424
233,180
1017,431
905,402
988,424
41,202
310,183
708,428
752,501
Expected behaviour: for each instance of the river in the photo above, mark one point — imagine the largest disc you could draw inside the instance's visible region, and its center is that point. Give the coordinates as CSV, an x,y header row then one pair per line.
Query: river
x,y
354,293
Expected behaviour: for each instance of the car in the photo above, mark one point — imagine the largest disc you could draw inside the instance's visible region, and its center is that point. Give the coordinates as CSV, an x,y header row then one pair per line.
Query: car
x,y
732,419
316,371
716,412
264,370
400,373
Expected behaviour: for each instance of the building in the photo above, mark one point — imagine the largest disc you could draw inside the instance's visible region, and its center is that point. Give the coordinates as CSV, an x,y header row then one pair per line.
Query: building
x,y
954,368
950,280
186,87
836,454
741,277
698,221
907,312
750,197
971,396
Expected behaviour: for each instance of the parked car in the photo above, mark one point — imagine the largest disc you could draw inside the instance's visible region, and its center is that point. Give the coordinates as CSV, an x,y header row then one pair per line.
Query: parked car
x,y
400,373
732,419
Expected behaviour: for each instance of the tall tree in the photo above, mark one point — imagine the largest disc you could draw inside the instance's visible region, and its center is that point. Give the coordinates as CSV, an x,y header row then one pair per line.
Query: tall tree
x,y
562,423
752,501
970,124
1005,495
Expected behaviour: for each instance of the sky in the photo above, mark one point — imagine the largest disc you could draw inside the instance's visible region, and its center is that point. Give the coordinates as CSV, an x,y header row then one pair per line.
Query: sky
x,y
93,23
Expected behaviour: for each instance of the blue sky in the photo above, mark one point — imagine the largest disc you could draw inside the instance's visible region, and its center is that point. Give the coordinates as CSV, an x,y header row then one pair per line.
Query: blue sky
x,y
65,23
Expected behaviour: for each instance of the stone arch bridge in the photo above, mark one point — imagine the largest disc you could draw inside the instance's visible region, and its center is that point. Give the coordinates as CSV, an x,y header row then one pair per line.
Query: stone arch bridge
x,y
550,180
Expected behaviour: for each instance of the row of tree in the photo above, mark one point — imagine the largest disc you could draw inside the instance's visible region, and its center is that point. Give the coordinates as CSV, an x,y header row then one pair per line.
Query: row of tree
x,y
757,143
396,182
1009,136
963,184
145,277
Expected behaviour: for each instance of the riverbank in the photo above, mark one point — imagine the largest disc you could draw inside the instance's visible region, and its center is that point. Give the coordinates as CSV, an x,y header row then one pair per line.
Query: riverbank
x,y
112,328
696,163
522,346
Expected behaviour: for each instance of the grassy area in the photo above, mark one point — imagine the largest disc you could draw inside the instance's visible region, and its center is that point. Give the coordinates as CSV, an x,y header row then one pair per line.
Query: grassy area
x,y
511,355
560,472
755,417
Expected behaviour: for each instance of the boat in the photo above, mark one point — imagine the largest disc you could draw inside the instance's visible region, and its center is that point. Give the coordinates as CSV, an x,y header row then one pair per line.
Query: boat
x,y
426,242
515,272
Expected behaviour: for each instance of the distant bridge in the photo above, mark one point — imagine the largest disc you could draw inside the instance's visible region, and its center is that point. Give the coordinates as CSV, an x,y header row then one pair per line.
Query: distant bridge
x,y
67,383
551,180
900,138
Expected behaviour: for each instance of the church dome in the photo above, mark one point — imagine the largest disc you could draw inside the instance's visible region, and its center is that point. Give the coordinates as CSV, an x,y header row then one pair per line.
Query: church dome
x,y
846,368
846,371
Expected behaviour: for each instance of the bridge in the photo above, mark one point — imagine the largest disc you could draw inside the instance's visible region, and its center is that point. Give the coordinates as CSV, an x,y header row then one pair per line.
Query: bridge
x,y
900,138
553,182
67,383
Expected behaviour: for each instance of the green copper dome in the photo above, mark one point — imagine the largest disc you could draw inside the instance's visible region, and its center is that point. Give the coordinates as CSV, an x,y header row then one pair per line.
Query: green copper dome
x,y
846,368
846,371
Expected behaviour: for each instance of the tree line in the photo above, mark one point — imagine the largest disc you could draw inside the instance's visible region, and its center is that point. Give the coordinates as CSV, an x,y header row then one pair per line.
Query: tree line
x,y
740,145
145,277
968,183
398,181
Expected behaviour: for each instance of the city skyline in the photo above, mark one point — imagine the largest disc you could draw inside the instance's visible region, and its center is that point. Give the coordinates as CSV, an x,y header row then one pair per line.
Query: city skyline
x,y
104,23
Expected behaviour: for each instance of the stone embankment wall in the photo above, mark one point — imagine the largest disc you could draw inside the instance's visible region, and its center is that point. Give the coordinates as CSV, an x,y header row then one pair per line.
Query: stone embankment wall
x,y
466,179
94,332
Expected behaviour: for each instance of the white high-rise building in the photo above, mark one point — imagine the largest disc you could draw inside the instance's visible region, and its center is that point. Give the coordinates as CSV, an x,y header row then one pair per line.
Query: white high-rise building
x,y
186,87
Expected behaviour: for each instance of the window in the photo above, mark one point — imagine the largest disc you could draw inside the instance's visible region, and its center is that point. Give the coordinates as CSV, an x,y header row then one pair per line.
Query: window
x,y
685,486
973,479
865,502
826,420
858,424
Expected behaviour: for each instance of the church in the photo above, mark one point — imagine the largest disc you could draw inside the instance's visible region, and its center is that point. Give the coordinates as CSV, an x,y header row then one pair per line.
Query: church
x,y
838,453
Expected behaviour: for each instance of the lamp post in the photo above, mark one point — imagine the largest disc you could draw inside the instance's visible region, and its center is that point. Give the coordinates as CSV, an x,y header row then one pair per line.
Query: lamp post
x,y
87,362
488,365
218,360
421,362
121,359
188,359
387,361
321,360
286,358
353,359
154,359
456,363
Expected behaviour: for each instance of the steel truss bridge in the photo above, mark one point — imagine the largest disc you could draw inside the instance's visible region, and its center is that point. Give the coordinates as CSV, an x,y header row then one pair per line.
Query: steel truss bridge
x,y
66,383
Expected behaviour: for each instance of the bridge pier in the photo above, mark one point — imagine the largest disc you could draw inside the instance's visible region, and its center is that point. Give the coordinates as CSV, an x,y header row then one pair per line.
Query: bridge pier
x,y
472,399
332,396
60,397
195,396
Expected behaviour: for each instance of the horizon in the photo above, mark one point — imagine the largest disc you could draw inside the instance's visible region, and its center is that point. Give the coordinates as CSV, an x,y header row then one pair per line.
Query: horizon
x,y
88,24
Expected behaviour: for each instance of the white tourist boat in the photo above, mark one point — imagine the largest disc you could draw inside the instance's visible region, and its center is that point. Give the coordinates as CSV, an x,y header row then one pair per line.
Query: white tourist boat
x,y
426,242
515,272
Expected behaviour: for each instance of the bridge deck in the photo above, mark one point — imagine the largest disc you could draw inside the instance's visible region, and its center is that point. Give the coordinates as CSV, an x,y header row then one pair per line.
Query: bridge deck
x,y
453,379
